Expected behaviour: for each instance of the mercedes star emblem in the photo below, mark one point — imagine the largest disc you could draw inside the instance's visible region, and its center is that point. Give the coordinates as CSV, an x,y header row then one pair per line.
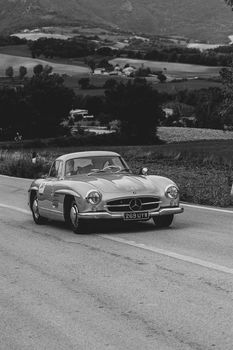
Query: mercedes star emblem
x,y
135,204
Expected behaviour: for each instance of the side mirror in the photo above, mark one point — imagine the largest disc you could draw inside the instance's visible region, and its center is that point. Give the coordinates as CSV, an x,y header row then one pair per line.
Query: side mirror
x,y
143,171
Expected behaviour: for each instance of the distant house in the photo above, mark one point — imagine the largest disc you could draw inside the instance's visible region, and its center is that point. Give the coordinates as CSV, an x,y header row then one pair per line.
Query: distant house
x,y
185,114
79,114
99,71
76,120
117,70
142,38
168,112
36,30
129,71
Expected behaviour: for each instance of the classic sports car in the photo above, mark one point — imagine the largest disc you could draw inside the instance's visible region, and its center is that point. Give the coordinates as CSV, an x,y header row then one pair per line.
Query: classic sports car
x,y
100,185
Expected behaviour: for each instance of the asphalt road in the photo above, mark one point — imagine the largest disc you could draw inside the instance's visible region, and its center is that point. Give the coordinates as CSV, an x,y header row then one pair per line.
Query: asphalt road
x,y
124,287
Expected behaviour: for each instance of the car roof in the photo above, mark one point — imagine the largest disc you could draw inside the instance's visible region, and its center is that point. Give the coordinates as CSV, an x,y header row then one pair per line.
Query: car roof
x,y
68,156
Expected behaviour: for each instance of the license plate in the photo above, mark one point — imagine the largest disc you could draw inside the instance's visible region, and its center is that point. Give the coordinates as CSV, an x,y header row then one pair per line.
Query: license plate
x,y
136,216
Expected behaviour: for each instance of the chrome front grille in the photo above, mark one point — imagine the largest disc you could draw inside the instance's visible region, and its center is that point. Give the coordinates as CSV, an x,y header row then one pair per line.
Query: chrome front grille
x,y
133,204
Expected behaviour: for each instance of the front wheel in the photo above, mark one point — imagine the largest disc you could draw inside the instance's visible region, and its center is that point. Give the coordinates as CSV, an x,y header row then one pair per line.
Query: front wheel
x,y
163,221
73,219
39,220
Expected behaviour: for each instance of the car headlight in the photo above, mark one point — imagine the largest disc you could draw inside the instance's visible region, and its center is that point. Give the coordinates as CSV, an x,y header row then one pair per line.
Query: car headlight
x,y
93,197
172,192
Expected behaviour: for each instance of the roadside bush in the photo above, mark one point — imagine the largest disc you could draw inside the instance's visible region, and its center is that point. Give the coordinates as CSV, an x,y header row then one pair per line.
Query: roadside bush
x,y
20,165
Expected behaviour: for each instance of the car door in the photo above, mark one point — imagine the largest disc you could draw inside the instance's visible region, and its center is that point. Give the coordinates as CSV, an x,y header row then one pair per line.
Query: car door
x,y
47,201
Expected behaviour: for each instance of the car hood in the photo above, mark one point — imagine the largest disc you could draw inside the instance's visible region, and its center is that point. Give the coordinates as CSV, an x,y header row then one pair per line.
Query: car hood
x,y
121,183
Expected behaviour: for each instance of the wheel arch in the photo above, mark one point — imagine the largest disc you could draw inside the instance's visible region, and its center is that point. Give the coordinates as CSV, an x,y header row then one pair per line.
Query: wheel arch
x,y
32,194
68,198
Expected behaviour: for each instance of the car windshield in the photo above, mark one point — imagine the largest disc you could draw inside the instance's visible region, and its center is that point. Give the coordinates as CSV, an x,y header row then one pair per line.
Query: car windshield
x,y
97,164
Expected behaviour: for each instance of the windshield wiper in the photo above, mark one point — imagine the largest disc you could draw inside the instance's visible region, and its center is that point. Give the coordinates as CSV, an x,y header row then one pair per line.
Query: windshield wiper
x,y
96,171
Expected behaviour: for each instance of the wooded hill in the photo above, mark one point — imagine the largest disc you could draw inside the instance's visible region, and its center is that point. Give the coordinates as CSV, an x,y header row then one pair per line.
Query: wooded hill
x,y
209,20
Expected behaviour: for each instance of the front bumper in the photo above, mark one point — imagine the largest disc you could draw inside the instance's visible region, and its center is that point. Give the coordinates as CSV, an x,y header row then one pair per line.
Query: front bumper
x,y
108,215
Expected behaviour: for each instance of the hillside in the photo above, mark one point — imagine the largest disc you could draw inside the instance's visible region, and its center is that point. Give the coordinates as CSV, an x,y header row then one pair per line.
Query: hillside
x,y
208,20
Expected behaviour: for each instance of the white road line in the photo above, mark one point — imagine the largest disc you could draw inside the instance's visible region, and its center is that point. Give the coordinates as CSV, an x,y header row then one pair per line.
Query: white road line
x,y
207,208
163,252
15,208
170,254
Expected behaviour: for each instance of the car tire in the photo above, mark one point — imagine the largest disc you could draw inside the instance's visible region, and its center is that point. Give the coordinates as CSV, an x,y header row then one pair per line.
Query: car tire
x,y
72,218
163,221
39,220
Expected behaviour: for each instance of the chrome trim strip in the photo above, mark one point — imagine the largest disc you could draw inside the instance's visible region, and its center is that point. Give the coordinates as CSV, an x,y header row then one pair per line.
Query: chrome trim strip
x,y
120,215
132,196
117,205
126,205
50,210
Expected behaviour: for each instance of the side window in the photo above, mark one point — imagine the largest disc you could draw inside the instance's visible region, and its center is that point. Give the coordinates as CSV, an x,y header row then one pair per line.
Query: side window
x,y
54,170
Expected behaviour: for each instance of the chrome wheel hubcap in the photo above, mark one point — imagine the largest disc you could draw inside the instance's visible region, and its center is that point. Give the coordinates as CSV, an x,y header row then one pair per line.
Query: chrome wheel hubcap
x,y
35,209
74,215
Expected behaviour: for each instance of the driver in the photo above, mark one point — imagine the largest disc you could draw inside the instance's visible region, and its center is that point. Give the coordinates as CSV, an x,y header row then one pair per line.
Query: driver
x,y
70,168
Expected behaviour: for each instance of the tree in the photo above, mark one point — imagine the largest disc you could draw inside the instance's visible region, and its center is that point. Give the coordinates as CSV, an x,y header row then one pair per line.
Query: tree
x,y
91,64
227,107
140,80
15,113
22,72
37,109
142,72
94,104
227,80
84,83
162,77
49,101
9,72
137,106
105,64
38,69
105,51
207,109
110,83
47,69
